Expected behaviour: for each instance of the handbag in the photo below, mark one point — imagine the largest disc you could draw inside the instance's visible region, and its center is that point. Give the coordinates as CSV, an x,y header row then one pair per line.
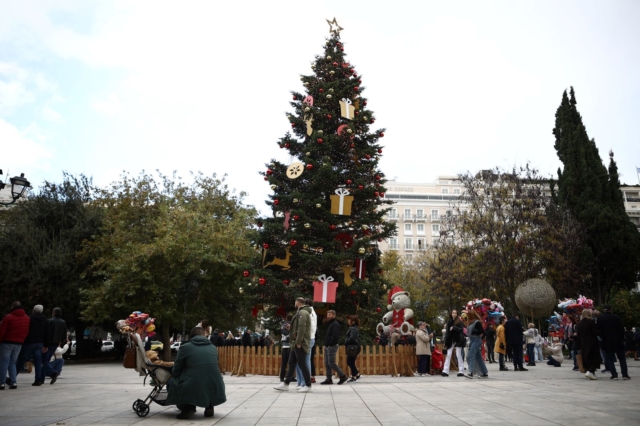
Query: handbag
x,y
580,365
129,360
352,350
502,346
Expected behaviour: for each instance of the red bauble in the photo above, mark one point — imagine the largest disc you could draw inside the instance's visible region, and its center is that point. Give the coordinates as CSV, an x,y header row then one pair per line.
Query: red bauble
x,y
360,81
286,282
377,194
353,145
357,112
379,240
342,49
269,172
293,124
320,140
296,217
287,145
335,64
352,70
355,89
321,90
328,116
332,227
353,292
259,224
382,194
372,121
295,98
364,103
377,177
309,166
338,44
367,156
276,202
293,242
378,309
246,274
262,281
381,134
379,150
361,187
265,178
265,245
377,185
281,146
349,181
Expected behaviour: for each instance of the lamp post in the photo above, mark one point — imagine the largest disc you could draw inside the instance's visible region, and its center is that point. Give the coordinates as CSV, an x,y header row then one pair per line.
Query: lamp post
x,y
18,186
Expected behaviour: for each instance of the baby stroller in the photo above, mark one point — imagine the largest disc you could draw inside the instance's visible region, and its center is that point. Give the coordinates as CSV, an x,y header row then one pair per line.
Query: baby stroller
x,y
159,374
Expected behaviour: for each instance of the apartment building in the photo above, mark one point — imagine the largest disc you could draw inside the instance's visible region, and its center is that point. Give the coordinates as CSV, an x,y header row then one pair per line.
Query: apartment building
x,y
417,209
631,196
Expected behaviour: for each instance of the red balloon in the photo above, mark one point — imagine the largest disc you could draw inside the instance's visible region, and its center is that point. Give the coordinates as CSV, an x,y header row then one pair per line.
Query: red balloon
x,y
262,281
246,273
309,166
320,140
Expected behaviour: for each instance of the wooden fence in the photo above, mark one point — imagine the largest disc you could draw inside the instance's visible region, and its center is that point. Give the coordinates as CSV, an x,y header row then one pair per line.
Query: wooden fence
x,y
373,360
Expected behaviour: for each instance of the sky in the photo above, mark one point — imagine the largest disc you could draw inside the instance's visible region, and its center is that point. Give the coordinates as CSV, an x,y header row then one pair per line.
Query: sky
x,y
104,87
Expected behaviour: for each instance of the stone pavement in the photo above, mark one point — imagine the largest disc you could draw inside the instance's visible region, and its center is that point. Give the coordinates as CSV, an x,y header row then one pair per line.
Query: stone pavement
x,y
103,394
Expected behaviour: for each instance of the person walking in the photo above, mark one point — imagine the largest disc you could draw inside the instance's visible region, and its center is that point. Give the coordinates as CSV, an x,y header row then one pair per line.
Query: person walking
x,y
423,349
196,380
530,337
34,342
353,339
631,344
539,343
490,339
612,332
454,339
56,334
331,349
474,356
14,329
572,342
286,348
513,334
314,330
556,356
501,344
301,340
587,337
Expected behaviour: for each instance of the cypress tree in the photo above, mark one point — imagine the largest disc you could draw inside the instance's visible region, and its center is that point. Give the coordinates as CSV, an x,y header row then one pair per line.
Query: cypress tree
x,y
611,251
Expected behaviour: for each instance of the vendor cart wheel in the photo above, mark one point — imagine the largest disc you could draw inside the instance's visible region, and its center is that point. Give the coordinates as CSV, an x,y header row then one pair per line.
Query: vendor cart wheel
x,y
136,403
142,410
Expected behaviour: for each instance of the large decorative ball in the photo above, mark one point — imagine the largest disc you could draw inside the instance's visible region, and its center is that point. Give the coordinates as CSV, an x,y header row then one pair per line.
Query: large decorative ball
x,y
536,298
361,250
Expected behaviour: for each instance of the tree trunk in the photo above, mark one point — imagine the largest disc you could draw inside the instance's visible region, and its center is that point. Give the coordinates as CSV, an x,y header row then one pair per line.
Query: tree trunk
x,y
166,353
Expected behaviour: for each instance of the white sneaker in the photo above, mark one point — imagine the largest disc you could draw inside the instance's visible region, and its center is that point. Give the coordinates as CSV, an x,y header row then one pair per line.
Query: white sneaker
x,y
417,374
282,387
298,387
304,389
591,376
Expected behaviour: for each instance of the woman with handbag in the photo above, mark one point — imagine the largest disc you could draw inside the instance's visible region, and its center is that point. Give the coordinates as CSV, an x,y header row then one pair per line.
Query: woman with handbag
x,y
454,339
501,344
352,343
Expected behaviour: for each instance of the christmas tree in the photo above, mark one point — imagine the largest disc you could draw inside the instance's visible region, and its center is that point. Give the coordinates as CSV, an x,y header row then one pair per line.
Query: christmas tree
x,y
327,202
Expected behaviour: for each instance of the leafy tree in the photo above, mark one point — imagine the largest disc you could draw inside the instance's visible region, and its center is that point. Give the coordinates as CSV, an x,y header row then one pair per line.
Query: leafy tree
x,y
504,230
39,241
168,248
335,150
591,192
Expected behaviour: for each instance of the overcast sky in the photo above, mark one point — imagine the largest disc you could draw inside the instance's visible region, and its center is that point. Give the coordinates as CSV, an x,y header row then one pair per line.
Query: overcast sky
x,y
102,87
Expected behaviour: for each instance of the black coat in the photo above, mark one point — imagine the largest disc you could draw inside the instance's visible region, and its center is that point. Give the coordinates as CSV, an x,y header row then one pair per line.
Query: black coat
x,y
353,336
38,327
588,343
56,332
217,340
490,335
455,334
611,331
246,339
629,339
513,332
333,333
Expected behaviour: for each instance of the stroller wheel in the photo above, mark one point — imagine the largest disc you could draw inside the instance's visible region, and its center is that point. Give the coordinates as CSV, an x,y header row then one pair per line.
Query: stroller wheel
x,y
136,403
142,410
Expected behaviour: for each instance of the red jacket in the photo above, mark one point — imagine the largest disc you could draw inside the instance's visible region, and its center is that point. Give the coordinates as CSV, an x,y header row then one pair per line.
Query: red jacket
x,y
14,327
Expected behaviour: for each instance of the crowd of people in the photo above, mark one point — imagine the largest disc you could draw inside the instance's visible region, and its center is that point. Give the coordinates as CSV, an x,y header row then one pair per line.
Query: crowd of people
x,y
33,338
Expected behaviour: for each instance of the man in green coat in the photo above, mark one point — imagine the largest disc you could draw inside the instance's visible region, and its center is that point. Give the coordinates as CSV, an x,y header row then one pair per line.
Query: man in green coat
x,y
300,333
196,378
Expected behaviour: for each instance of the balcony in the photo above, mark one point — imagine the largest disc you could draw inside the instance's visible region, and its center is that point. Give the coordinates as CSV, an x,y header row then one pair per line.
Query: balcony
x,y
408,247
393,246
435,218
393,216
419,217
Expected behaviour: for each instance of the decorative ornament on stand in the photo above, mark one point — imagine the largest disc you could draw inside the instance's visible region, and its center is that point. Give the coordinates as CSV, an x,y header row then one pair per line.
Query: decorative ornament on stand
x,y
295,170
324,290
346,109
347,268
341,202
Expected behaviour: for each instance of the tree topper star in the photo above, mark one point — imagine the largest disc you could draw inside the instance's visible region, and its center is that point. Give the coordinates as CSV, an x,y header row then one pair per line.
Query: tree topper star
x,y
335,30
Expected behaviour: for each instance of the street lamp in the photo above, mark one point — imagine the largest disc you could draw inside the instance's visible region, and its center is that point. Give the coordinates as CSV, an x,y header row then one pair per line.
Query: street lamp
x,y
18,186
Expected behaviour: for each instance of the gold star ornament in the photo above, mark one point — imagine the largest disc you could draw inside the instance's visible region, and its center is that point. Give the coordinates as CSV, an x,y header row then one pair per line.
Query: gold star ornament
x,y
334,28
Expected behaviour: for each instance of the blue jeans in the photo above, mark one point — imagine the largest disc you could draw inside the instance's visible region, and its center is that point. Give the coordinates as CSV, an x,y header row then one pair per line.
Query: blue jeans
x,y
8,357
574,354
531,349
299,377
46,364
56,365
474,357
553,362
610,358
28,351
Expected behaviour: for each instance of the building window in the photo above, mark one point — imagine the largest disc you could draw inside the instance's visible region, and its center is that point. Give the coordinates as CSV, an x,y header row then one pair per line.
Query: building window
x,y
420,213
435,228
456,190
436,242
445,190
420,244
421,227
393,213
434,214
408,243
449,213
407,213
393,243
407,227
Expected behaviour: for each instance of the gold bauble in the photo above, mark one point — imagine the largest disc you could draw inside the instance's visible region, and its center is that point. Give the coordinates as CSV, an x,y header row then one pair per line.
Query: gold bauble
x,y
307,225
329,96
361,250
306,83
321,132
332,72
241,290
331,90
295,200
307,109
364,291
308,154
306,246
349,131
318,205
300,280
329,57
273,187
365,227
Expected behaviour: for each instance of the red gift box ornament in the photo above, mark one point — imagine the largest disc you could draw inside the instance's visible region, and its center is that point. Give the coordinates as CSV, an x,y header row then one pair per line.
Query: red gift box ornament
x,y
361,269
324,290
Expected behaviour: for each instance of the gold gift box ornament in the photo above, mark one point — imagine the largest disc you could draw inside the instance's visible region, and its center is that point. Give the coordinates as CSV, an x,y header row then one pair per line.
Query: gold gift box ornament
x,y
341,202
346,109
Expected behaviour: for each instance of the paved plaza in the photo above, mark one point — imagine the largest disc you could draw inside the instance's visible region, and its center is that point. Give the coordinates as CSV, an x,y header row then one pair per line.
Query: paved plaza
x,y
103,394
